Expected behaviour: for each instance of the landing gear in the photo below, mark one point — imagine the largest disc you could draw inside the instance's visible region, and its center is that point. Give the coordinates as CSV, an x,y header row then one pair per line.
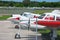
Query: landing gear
x,y
53,34
16,26
17,36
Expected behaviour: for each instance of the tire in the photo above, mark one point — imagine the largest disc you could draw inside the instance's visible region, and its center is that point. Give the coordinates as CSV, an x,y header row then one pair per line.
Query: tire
x,y
17,36
17,27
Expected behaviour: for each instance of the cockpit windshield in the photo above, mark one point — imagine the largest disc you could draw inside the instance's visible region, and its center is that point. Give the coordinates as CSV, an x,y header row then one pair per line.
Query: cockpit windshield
x,y
41,16
21,14
25,15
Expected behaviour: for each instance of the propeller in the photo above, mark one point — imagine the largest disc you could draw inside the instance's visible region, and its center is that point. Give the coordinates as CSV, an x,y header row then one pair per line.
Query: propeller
x,y
28,24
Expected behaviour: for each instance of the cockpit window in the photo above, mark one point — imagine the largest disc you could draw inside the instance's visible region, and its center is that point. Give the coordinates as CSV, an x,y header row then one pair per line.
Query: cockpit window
x,y
21,14
25,15
58,18
41,16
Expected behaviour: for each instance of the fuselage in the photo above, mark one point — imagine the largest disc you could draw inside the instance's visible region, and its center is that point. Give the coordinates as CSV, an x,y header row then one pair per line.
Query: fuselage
x,y
50,20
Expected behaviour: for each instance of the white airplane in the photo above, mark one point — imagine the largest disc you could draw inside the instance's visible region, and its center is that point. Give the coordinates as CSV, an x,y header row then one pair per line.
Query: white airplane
x,y
51,21
24,16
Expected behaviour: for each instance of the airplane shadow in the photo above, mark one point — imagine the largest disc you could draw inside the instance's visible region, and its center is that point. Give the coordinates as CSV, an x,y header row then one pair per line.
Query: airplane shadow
x,y
43,37
32,37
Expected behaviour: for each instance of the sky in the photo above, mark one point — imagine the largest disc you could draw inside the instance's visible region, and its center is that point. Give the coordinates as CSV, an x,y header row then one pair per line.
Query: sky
x,y
34,0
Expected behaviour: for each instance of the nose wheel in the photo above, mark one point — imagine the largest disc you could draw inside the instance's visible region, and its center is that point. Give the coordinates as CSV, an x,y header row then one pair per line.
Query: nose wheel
x,y
16,26
17,36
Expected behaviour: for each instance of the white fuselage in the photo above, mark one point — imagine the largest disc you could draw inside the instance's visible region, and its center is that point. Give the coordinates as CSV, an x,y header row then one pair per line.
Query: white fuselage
x,y
24,19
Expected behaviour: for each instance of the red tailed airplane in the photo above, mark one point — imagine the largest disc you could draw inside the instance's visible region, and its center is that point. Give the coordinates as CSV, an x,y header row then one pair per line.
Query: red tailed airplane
x,y
51,21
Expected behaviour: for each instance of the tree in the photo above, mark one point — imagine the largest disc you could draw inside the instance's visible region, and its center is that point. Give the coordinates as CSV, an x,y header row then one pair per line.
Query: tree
x,y
11,4
26,2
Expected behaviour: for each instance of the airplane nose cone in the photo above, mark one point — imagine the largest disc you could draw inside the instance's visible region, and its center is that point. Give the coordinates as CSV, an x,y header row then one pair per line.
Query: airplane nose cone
x,y
17,18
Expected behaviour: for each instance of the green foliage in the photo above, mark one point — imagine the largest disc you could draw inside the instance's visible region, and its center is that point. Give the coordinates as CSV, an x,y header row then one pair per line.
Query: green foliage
x,y
43,31
28,3
58,32
41,11
4,17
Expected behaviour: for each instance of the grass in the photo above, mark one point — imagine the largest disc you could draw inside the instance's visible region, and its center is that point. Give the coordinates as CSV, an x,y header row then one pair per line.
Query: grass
x,y
43,30
4,17
45,33
58,32
41,11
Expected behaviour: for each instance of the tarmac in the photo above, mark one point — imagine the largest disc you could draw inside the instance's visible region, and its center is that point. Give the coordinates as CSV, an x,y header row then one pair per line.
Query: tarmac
x,y
7,32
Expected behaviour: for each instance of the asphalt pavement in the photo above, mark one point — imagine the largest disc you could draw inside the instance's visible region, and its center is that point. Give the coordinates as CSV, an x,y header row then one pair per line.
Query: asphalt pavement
x,y
7,32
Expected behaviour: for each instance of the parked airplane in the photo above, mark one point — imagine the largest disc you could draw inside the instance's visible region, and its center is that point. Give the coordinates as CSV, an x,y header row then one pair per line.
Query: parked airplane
x,y
51,21
23,17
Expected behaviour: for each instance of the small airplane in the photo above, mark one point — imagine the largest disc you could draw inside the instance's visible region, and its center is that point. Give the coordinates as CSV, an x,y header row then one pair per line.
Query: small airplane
x,y
51,21
24,16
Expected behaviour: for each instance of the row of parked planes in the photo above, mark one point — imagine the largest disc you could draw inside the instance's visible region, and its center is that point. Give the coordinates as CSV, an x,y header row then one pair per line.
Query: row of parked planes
x,y
46,20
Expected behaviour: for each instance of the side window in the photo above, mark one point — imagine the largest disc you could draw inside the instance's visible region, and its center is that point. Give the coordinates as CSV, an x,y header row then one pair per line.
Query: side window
x,y
42,16
58,18
50,17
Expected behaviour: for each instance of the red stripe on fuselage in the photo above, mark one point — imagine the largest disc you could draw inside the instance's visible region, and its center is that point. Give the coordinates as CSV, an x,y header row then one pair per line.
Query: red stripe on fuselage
x,y
49,23
16,18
